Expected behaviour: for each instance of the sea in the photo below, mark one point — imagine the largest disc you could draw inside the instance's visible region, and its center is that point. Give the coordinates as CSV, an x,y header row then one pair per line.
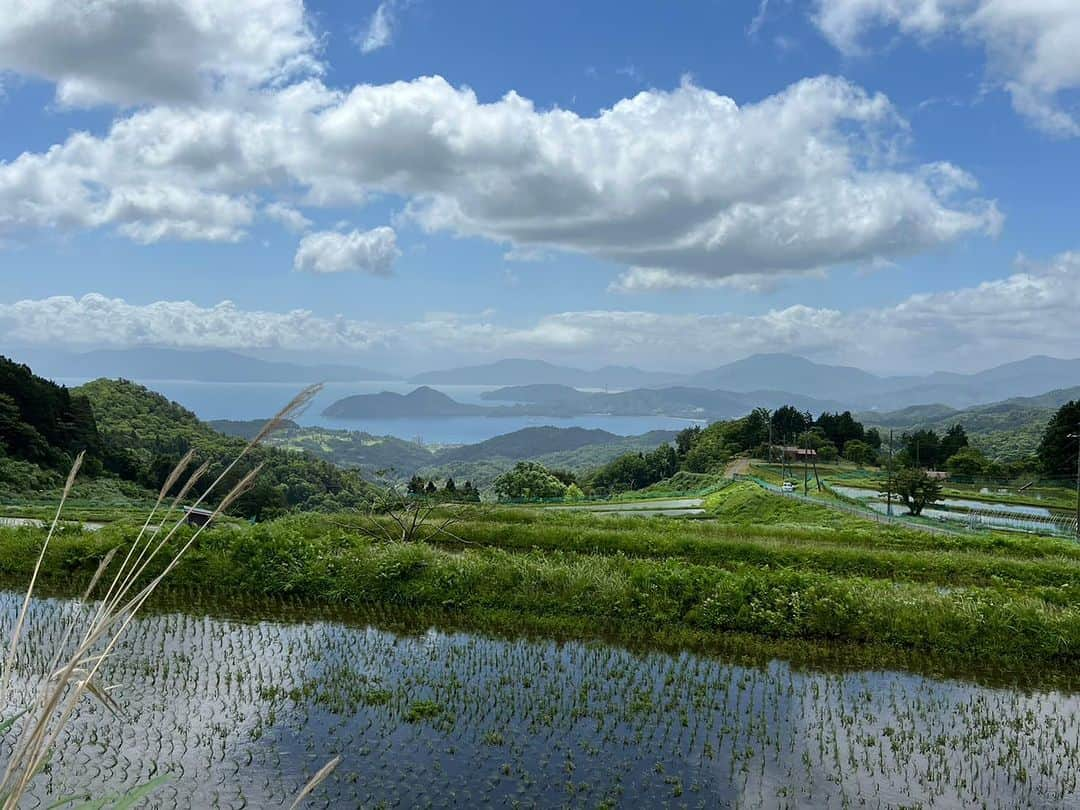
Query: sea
x,y
248,400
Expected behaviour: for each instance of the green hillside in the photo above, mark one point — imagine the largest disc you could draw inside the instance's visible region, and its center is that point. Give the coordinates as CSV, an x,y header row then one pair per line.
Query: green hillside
x,y
1004,431
149,434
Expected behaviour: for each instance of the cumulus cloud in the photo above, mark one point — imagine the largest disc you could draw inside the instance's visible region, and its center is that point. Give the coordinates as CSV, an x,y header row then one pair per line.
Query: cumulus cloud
x,y
1031,45
686,181
373,251
150,51
1030,311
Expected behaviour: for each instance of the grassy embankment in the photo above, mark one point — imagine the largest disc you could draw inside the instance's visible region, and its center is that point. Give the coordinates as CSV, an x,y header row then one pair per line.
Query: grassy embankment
x,y
768,566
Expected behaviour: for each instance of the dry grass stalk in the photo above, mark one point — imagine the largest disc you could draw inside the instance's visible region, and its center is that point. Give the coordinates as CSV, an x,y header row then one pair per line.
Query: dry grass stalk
x,y
59,695
315,781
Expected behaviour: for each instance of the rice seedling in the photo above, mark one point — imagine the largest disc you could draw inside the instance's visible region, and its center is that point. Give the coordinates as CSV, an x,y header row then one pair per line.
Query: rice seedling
x,y
74,668
545,723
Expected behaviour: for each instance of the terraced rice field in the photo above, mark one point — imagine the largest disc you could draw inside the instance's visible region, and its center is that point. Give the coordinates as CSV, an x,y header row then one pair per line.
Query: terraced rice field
x,y
240,714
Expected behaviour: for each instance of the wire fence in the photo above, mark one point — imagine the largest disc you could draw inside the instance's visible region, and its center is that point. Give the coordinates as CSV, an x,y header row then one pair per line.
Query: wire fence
x,y
851,509
971,518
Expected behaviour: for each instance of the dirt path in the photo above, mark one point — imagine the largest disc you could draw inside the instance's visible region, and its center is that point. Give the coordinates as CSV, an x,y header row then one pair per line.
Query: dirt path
x,y
739,466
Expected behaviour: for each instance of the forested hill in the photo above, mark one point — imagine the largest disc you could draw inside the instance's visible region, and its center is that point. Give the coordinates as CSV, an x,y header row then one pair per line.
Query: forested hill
x,y
149,434
1006,430
44,423
133,435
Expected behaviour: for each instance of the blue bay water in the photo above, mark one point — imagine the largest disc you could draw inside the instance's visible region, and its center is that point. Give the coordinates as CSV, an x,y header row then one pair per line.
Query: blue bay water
x,y
213,400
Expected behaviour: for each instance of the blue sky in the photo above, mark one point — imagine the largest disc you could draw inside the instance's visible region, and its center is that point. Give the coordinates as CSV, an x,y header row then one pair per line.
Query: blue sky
x,y
887,184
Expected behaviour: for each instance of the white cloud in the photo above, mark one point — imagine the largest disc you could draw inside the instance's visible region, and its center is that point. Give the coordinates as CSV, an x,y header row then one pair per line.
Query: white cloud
x,y
380,30
1031,45
373,251
149,51
646,279
1030,311
287,216
685,181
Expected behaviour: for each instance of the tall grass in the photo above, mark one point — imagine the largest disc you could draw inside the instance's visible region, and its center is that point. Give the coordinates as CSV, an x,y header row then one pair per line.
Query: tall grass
x,y
75,670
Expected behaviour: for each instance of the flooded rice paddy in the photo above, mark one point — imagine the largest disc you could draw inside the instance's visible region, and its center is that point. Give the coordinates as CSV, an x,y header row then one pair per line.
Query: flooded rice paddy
x,y
241,713
991,514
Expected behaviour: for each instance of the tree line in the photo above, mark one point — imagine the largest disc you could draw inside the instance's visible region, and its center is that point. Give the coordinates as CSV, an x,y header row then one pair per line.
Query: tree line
x,y
833,435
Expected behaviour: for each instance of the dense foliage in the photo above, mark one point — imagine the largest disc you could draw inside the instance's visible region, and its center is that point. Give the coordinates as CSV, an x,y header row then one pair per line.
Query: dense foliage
x,y
1058,448
707,450
149,434
529,481
635,471
44,423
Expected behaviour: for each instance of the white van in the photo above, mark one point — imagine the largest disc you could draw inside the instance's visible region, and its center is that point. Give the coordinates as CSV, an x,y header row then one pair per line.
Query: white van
x,y
788,487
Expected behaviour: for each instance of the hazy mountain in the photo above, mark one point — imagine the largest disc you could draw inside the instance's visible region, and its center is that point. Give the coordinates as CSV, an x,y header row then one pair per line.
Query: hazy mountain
x,y
214,365
535,372
858,388
1023,378
795,374
424,402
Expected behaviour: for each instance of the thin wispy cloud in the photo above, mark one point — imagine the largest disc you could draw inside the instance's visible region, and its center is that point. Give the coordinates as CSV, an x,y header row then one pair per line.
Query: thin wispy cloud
x,y
381,27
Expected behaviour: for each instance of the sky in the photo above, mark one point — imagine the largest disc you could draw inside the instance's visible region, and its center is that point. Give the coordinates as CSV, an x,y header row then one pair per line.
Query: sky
x,y
415,184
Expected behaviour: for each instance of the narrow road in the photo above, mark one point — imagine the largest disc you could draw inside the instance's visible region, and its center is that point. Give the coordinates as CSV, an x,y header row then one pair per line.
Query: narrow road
x,y
738,466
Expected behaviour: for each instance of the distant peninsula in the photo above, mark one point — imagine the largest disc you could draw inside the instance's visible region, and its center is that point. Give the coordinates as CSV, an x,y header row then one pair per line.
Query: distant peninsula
x,y
424,402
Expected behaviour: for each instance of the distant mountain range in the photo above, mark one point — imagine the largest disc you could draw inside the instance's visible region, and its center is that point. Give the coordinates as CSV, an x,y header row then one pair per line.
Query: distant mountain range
x,y
212,365
786,373
534,372
791,377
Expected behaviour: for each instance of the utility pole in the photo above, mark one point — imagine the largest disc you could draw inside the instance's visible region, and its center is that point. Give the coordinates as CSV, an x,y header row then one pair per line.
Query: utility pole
x,y
1077,437
888,485
805,467
783,461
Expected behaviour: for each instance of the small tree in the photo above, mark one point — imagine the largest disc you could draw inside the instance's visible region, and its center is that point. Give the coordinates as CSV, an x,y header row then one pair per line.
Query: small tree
x,y
574,493
450,485
967,461
529,481
859,452
916,489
